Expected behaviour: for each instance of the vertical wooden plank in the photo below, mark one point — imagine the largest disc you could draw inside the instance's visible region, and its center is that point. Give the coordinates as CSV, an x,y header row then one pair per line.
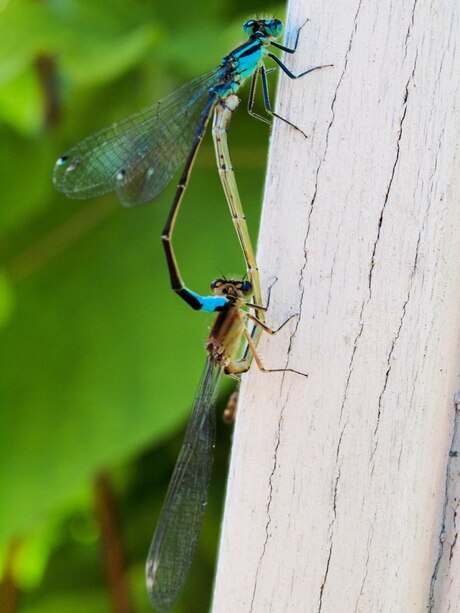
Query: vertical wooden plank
x,y
337,487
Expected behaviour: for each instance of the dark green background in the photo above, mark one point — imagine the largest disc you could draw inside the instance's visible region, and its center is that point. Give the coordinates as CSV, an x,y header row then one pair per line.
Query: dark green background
x,y
98,358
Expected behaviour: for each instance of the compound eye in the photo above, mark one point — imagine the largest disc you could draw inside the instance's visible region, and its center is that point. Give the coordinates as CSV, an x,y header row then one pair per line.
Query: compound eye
x,y
248,26
274,27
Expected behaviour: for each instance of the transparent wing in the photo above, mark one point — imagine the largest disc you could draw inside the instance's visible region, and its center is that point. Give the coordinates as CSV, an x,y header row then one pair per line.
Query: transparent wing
x,y
138,156
176,534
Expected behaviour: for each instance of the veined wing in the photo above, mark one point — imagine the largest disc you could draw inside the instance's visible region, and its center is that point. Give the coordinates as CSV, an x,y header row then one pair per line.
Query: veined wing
x,y
176,534
138,156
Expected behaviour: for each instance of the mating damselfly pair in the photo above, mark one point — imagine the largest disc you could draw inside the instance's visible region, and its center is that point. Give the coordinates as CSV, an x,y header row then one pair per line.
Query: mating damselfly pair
x,y
136,158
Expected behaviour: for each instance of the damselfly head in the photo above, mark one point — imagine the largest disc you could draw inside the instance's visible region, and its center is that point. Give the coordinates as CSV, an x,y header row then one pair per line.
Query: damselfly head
x,y
232,289
263,28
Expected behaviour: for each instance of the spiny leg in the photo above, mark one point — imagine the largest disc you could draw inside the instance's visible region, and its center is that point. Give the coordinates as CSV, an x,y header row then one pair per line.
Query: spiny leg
x,y
267,103
251,98
266,93
241,366
259,307
290,74
264,326
286,70
290,49
256,357
257,329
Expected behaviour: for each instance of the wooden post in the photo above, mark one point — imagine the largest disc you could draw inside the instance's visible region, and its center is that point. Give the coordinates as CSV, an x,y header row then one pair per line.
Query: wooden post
x,y
341,494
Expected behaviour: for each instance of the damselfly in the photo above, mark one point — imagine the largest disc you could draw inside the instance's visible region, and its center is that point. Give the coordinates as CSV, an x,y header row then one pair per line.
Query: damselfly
x,y
138,156
177,531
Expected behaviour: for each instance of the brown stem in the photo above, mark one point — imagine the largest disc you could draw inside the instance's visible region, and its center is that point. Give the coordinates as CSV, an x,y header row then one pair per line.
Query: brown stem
x,y
9,591
114,558
46,69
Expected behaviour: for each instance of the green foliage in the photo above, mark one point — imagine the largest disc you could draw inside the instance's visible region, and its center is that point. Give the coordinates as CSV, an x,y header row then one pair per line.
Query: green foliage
x,y
6,299
99,359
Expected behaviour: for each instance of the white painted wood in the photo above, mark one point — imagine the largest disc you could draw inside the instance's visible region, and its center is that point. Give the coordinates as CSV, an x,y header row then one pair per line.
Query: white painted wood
x,y
337,488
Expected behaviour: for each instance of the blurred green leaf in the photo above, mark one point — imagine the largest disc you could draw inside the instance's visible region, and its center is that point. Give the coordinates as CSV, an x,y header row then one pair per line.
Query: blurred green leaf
x,y
99,358
24,178
106,60
32,557
93,600
6,299
96,41
21,101
25,31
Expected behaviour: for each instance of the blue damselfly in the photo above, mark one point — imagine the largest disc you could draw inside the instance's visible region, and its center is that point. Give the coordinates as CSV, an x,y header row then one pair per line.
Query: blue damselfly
x,y
138,156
